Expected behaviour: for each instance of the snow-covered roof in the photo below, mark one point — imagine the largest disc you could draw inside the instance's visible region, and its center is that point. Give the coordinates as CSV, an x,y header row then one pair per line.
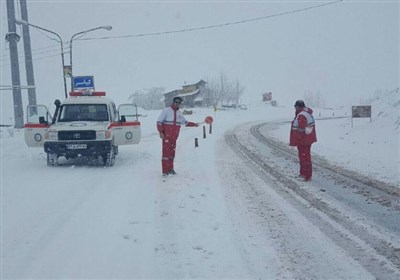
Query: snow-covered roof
x,y
188,93
199,98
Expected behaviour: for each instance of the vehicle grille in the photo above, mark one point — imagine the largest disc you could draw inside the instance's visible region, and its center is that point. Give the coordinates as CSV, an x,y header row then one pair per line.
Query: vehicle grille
x,y
77,135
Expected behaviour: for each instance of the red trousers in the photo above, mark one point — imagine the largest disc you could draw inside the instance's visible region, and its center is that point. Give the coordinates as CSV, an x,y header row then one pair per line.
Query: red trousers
x,y
168,154
305,161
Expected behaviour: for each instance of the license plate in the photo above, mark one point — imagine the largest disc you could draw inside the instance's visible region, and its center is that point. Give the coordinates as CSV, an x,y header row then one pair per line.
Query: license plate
x,y
76,146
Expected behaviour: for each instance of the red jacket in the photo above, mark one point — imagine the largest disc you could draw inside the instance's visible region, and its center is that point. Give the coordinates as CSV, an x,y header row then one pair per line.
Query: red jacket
x,y
302,131
170,120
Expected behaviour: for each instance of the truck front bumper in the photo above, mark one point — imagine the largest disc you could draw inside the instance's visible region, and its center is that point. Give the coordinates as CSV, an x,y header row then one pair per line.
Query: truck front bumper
x,y
75,148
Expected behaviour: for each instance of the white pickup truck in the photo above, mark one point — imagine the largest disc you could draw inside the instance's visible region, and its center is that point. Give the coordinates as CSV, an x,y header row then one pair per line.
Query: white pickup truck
x,y
86,124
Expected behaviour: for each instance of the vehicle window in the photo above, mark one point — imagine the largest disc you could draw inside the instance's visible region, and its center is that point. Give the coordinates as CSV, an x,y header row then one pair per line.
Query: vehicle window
x,y
83,112
129,111
35,112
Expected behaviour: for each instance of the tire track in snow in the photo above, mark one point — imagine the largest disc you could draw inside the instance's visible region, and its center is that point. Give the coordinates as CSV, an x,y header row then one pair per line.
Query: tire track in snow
x,y
378,253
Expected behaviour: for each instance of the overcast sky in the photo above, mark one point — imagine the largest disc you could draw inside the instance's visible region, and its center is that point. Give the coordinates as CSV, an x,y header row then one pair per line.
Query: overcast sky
x,y
345,51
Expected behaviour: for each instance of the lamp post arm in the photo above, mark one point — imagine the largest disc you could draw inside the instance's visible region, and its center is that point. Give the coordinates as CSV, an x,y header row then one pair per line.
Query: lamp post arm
x,y
62,54
108,27
62,47
90,30
38,27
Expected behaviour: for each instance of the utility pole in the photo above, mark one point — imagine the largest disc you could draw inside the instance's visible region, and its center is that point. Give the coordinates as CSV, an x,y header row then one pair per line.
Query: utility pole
x,y
13,38
30,79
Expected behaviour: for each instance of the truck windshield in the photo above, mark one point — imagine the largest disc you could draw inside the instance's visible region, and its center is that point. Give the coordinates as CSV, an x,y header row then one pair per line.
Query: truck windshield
x,y
83,112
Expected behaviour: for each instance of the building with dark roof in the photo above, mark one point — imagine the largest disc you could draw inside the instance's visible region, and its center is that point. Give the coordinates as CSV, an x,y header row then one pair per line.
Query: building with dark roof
x,y
192,95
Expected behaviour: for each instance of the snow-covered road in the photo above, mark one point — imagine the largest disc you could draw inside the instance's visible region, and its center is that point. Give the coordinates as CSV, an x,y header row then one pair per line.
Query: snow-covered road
x,y
234,210
337,208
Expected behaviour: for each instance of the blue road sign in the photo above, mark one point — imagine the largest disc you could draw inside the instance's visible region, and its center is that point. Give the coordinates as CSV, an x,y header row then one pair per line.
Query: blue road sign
x,y
84,82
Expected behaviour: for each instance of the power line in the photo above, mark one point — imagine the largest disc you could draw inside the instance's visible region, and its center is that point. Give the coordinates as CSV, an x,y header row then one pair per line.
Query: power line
x,y
214,26
197,28
39,54
39,51
22,60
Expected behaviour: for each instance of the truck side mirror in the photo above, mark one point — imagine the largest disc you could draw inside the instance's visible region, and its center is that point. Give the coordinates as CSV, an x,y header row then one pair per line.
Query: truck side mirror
x,y
57,102
123,119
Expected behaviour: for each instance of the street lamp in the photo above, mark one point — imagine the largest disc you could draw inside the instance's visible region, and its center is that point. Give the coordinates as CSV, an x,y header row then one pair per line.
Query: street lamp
x,y
22,22
108,27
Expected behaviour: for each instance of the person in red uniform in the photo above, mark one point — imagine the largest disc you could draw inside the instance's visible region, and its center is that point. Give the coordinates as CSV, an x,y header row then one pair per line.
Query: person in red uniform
x,y
302,135
168,125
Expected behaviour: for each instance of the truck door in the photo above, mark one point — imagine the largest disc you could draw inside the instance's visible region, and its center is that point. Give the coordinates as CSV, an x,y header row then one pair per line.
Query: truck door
x,y
126,129
37,123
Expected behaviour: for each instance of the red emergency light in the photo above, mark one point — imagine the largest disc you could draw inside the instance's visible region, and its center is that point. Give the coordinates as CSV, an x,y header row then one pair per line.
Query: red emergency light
x,y
87,93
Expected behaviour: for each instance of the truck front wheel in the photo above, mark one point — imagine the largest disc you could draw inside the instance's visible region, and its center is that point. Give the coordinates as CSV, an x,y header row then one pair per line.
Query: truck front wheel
x,y
52,159
109,157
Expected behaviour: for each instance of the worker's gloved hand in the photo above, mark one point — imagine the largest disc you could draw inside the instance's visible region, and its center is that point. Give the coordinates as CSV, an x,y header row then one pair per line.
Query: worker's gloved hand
x,y
162,136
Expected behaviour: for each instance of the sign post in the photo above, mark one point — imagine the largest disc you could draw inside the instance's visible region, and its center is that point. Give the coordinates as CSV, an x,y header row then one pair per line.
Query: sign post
x,y
361,112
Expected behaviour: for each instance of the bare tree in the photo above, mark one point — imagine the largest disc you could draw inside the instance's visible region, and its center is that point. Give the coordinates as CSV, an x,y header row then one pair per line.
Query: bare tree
x,y
222,91
237,91
211,94
148,99
225,89
314,99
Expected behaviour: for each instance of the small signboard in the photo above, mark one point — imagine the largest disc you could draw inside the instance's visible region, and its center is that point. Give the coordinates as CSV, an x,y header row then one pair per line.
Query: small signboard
x,y
267,96
83,82
67,71
361,112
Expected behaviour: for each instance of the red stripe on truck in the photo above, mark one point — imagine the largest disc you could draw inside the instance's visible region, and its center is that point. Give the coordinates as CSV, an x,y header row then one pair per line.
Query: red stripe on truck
x,y
36,125
117,124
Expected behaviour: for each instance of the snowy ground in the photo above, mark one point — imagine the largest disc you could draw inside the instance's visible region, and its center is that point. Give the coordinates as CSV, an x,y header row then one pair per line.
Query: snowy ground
x,y
81,220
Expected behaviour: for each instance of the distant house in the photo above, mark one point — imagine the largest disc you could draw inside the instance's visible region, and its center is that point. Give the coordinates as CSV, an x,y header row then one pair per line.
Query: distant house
x,y
191,94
